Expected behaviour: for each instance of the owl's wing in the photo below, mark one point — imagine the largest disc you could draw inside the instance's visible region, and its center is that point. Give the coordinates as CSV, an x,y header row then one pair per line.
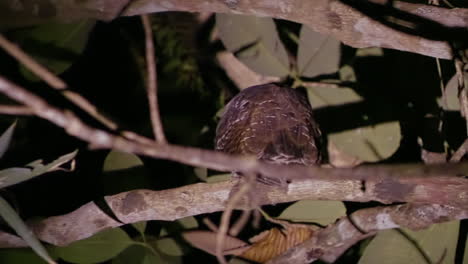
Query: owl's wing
x,y
271,122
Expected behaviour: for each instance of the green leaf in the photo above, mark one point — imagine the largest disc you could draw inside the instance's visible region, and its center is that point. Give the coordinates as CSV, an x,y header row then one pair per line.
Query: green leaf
x,y
393,246
137,254
255,42
320,212
140,226
347,74
179,225
369,143
101,247
124,171
54,45
330,96
14,221
118,160
169,246
20,255
13,176
5,139
317,53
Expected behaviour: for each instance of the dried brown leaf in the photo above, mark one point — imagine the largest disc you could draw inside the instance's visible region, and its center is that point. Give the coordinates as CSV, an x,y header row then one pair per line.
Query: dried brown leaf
x,y
274,242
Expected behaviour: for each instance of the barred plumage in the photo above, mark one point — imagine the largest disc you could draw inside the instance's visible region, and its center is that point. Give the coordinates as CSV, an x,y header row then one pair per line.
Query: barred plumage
x,y
274,123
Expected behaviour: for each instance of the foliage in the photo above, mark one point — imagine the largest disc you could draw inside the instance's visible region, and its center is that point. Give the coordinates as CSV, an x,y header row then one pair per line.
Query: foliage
x,y
372,104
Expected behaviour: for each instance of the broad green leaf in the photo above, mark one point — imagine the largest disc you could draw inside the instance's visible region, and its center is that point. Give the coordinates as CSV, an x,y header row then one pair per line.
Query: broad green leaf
x,y
140,226
5,139
54,45
169,247
317,53
118,160
137,254
14,221
20,255
179,225
320,212
124,171
369,143
392,246
255,42
101,247
329,96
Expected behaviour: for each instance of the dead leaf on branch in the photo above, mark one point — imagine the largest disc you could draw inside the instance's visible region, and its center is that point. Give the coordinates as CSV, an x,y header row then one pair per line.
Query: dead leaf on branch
x,y
264,246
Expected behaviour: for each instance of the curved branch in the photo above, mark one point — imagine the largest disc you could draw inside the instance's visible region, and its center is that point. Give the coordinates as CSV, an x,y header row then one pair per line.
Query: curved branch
x,y
143,205
326,16
331,242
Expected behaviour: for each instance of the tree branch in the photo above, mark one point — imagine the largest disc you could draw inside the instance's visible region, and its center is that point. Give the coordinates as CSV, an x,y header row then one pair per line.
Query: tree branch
x,y
144,205
331,242
325,16
152,82
54,81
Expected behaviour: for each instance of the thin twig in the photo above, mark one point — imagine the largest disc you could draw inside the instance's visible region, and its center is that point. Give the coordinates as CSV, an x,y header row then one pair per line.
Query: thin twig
x,y
137,138
211,226
32,64
152,85
54,81
461,151
240,223
442,92
223,228
15,110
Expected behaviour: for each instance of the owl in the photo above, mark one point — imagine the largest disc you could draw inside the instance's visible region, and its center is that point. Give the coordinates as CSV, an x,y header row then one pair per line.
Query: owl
x,y
273,123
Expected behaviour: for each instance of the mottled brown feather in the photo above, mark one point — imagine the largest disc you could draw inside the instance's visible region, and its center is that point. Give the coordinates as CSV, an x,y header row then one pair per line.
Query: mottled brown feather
x,y
274,123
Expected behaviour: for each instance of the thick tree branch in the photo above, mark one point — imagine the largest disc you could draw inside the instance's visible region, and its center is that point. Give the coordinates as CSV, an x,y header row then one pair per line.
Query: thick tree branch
x,y
144,205
332,18
326,16
331,242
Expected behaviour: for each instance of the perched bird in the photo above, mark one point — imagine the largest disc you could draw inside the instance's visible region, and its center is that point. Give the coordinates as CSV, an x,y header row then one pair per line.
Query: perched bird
x,y
273,123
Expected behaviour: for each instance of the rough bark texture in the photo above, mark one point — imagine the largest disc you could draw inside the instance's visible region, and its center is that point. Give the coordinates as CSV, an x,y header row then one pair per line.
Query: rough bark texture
x,y
143,205
326,16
